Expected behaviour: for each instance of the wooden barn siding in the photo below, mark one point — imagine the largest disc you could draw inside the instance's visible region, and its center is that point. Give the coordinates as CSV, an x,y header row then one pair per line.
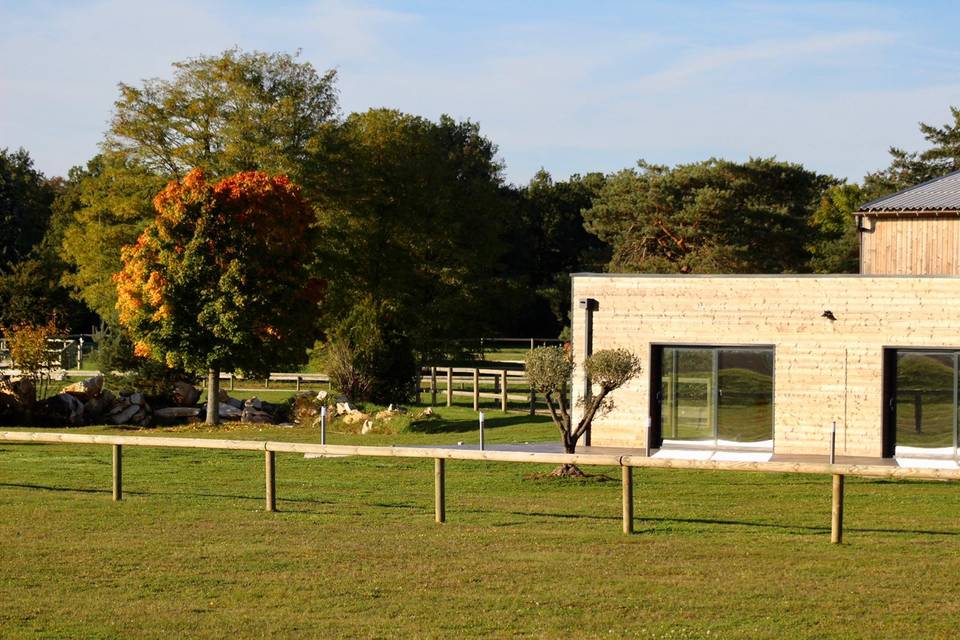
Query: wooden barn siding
x,y
911,246
824,370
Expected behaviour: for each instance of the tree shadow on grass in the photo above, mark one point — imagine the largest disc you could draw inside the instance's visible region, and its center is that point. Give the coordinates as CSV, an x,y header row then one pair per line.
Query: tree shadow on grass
x,y
465,426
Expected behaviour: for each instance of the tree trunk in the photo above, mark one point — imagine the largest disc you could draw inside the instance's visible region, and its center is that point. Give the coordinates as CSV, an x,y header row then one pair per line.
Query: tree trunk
x,y
213,397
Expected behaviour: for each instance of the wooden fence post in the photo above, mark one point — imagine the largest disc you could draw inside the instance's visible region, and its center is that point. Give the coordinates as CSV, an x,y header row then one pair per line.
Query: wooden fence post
x,y
117,472
232,378
433,385
626,474
503,391
476,389
439,491
298,383
836,523
271,478
449,386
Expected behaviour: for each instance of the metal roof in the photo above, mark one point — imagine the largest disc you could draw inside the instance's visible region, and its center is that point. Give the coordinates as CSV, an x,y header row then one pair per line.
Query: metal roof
x,y
939,194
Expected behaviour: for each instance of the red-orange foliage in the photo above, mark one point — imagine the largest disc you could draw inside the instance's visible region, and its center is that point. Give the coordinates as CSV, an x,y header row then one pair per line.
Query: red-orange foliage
x,y
221,279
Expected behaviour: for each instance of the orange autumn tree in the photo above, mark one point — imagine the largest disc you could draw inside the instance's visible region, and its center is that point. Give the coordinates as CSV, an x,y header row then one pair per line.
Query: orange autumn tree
x,y
221,279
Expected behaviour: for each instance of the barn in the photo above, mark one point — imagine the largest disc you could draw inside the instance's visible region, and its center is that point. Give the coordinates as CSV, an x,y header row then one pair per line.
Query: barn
x,y
765,367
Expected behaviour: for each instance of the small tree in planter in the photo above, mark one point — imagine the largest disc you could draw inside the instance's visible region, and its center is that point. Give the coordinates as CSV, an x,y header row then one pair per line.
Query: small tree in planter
x,y
549,370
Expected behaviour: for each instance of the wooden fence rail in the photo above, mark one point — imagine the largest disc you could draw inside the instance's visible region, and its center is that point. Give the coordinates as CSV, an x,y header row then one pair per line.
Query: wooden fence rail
x,y
627,463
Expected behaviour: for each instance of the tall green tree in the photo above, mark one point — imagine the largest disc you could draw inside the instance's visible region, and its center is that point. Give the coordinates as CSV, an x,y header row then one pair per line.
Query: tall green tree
x,y
412,226
546,242
236,111
909,168
715,216
25,200
220,280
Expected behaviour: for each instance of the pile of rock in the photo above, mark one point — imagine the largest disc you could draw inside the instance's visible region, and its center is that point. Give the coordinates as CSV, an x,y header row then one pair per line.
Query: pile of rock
x,y
130,409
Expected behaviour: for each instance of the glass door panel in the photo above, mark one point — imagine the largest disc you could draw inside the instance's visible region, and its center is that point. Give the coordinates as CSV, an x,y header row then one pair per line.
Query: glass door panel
x,y
925,406
687,392
745,395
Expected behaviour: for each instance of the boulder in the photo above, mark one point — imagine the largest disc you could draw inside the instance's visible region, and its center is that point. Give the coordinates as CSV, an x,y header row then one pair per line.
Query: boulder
x,y
126,413
367,427
355,417
18,393
95,407
65,408
344,408
322,396
177,412
253,416
84,390
137,398
304,408
185,394
230,412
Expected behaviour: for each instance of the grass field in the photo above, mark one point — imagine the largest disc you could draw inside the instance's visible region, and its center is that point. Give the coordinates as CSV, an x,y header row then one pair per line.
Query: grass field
x,y
354,552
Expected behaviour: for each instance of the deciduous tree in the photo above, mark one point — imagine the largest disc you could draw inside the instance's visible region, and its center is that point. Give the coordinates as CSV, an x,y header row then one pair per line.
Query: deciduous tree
x,y
220,280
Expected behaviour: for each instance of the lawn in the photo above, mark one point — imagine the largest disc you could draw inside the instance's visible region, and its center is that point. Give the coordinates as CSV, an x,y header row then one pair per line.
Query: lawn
x,y
354,552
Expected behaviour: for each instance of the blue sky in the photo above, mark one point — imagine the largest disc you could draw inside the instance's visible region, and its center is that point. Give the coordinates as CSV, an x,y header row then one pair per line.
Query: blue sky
x,y
568,86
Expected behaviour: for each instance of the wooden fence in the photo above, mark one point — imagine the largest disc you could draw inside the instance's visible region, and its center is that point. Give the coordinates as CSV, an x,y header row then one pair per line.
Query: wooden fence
x,y
627,463
470,379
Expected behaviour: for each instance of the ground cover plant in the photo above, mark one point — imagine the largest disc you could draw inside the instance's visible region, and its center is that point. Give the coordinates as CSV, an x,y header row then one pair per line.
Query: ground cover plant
x,y
354,551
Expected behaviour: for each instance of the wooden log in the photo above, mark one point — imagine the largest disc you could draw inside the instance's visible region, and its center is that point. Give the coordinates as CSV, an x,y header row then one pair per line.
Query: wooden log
x,y
503,391
836,514
449,386
439,491
117,472
476,390
271,480
626,475
433,386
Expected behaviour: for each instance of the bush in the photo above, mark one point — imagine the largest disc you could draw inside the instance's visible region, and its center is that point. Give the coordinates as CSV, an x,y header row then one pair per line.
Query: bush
x,y
125,371
369,358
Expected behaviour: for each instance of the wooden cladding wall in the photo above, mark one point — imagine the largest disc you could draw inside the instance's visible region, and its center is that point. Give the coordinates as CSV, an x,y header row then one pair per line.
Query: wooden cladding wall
x,y
824,370
910,246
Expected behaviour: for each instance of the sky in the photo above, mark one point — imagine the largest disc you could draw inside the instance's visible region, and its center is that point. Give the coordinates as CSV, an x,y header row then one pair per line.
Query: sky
x,y
570,87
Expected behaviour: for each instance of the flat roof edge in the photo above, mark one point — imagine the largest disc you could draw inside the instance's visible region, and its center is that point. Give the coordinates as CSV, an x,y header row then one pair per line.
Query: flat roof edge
x,y
593,274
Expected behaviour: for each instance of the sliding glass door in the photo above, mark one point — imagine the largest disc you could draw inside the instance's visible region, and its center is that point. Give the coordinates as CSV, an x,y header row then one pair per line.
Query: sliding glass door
x,y
715,395
923,401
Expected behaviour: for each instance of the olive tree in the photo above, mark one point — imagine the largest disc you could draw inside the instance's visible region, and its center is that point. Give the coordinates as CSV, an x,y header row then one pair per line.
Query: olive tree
x,y
549,370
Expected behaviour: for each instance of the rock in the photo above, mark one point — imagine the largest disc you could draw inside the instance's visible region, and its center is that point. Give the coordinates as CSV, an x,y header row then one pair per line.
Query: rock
x,y
65,409
343,408
229,411
304,408
355,417
253,416
96,407
427,412
85,389
367,427
185,394
18,393
126,413
386,414
395,408
137,398
177,412
322,396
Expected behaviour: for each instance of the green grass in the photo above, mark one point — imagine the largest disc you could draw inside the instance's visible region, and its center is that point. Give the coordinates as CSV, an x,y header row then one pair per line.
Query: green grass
x,y
354,552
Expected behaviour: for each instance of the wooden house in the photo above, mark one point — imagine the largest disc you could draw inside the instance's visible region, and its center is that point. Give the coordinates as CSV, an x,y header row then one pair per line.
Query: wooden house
x,y
755,367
